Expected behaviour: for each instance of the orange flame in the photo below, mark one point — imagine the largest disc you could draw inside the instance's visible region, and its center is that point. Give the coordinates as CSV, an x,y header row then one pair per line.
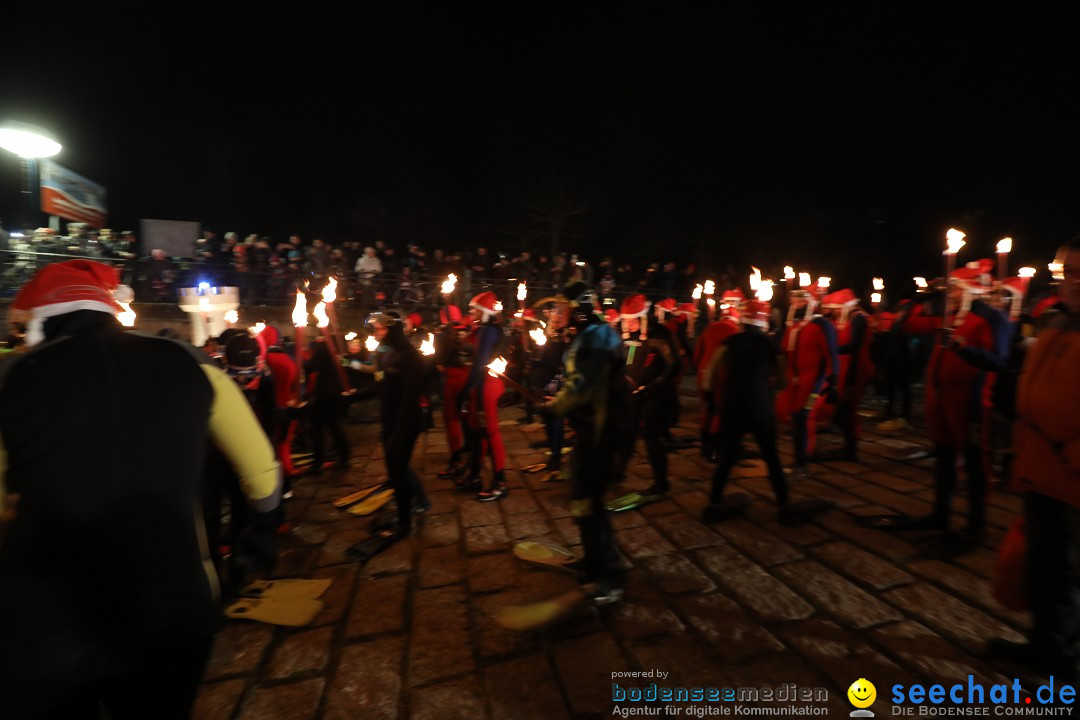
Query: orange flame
x,y
321,318
954,240
329,293
127,315
300,313
497,367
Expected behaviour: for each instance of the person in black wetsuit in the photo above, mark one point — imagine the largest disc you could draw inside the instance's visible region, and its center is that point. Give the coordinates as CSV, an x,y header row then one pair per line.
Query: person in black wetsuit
x,y
399,383
593,399
325,393
109,598
751,366
547,375
650,368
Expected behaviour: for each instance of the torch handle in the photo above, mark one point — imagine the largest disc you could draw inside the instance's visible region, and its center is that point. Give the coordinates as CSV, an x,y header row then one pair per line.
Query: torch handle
x,y
528,394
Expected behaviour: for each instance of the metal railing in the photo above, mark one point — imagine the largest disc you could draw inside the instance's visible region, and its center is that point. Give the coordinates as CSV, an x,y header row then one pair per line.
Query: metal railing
x,y
156,280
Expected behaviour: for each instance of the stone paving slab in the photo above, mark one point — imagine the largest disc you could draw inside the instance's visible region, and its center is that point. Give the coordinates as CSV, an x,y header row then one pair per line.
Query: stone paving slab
x,y
745,602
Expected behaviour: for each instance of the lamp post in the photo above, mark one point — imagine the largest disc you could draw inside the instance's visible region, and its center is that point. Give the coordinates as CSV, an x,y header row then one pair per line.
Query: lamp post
x,y
29,143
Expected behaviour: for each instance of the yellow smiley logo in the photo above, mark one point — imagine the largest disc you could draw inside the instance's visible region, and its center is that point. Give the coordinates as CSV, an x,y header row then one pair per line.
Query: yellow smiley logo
x,y
862,693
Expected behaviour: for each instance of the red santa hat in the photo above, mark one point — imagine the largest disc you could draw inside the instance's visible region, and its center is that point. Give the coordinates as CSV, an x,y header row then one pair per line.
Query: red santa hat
x,y
484,302
844,300
416,320
635,306
65,287
976,276
667,305
756,312
839,299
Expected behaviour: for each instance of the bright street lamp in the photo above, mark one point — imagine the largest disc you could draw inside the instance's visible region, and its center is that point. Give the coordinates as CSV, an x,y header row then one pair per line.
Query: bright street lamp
x,y
29,143
26,141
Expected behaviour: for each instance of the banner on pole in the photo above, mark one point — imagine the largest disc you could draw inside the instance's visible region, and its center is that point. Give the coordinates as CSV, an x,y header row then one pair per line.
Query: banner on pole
x,y
71,196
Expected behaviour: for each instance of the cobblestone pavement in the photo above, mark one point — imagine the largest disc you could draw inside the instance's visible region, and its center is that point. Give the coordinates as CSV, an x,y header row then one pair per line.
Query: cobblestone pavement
x,y
746,602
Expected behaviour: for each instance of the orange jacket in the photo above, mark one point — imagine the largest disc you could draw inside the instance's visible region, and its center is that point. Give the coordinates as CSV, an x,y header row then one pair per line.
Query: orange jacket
x,y
1046,435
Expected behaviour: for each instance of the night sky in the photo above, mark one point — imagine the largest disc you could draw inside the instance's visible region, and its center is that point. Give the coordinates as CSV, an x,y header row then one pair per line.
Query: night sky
x,y
843,141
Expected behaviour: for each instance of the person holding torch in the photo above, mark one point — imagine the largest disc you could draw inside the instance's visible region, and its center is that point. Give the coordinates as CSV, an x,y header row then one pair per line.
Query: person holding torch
x,y
482,391
593,398
975,339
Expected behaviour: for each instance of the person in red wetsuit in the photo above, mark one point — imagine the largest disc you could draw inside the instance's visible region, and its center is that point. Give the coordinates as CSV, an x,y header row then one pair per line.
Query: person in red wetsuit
x,y
810,352
282,367
483,391
959,382
451,353
856,370
705,357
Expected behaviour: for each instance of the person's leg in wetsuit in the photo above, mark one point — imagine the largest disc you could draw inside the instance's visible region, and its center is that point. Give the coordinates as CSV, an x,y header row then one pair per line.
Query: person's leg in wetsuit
x,y
654,412
944,487
487,397
592,467
554,428
398,451
453,386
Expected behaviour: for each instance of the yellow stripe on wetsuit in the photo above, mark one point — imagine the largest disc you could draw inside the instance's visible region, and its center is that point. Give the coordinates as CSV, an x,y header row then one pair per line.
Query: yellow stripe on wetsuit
x,y
235,431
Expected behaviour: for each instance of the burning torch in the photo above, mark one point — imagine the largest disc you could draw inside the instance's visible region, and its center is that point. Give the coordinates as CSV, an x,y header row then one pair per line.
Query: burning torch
x,y
1004,247
1025,274
300,321
954,240
428,346
329,295
497,369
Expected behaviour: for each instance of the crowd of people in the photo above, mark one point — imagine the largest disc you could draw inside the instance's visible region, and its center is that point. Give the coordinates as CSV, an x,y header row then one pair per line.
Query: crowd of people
x,y
1000,375
266,271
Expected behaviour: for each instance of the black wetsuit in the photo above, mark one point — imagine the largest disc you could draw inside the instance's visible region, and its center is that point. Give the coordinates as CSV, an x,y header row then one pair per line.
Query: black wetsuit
x,y
650,365
107,592
752,366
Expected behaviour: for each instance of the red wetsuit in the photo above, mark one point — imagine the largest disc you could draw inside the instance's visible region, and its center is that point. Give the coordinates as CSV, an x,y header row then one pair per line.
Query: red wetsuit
x,y
709,385
484,393
811,359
